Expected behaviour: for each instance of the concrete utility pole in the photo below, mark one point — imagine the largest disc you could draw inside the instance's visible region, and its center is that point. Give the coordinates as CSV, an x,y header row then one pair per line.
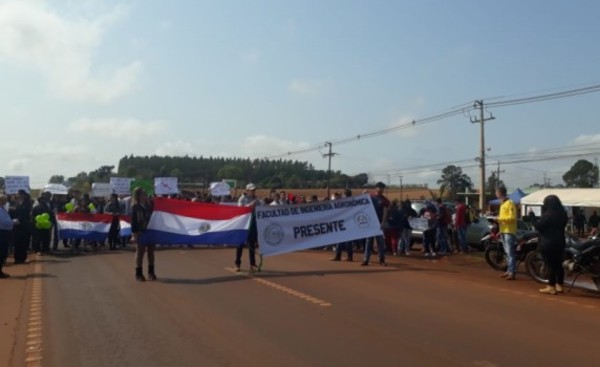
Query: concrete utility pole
x,y
481,120
329,155
498,174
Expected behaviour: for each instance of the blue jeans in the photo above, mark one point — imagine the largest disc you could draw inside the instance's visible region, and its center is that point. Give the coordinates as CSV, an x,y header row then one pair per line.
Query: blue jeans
x,y
462,239
380,248
509,242
405,240
442,239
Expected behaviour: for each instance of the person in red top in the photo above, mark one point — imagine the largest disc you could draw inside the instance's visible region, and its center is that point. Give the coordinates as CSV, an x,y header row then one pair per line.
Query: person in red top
x,y
460,224
382,206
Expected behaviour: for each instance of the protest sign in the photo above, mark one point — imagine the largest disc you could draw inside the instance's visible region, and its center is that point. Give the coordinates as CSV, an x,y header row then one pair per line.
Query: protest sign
x,y
101,190
290,228
221,188
12,184
165,185
121,185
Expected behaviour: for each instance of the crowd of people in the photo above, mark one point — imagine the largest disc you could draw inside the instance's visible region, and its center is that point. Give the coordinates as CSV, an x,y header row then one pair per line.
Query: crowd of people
x,y
443,230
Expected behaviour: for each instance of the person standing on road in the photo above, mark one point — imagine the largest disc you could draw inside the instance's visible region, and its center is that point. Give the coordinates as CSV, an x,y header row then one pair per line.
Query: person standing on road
x,y
249,199
382,205
407,212
551,227
141,211
444,219
349,245
6,226
22,229
430,214
593,222
460,224
507,221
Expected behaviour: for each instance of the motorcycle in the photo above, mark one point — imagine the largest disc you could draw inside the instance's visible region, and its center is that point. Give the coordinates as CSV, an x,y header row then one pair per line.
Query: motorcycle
x,y
580,257
494,249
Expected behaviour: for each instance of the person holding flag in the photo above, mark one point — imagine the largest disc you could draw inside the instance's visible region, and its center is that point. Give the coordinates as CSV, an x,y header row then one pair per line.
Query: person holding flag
x,y
249,199
141,211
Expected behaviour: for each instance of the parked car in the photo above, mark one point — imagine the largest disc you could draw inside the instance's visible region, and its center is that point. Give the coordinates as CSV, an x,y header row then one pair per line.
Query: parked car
x,y
478,229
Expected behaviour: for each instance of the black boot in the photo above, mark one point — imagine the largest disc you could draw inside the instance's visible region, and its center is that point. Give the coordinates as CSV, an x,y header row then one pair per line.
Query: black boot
x,y
139,276
151,275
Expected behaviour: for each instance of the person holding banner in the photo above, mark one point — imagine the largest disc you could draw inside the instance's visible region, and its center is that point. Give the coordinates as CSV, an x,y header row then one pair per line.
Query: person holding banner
x,y
141,211
42,214
382,206
349,245
249,199
6,226
114,208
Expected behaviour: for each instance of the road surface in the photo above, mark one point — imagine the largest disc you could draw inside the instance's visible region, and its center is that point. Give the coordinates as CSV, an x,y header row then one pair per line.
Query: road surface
x,y
301,310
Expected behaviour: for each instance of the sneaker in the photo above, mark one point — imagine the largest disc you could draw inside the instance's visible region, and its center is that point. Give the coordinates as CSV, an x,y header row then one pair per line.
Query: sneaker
x,y
504,275
382,263
548,290
253,269
407,253
364,263
428,254
433,254
559,288
510,276
335,259
237,269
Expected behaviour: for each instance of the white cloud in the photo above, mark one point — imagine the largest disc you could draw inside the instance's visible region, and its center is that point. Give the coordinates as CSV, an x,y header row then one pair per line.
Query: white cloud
x,y
309,86
586,139
259,146
61,49
129,129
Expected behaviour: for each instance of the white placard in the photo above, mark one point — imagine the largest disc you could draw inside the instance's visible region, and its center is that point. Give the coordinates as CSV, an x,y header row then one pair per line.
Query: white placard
x,y
101,190
419,224
288,228
220,189
56,189
121,185
12,184
165,185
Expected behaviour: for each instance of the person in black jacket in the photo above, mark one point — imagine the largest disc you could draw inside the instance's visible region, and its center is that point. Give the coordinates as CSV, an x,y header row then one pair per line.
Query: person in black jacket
x,y
22,229
141,212
551,227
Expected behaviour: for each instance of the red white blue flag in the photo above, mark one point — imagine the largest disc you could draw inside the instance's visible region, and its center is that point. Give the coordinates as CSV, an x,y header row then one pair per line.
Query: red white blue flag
x,y
177,222
90,227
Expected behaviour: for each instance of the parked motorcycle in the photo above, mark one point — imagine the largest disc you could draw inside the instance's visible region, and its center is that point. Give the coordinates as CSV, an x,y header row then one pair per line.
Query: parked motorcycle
x,y
580,257
494,249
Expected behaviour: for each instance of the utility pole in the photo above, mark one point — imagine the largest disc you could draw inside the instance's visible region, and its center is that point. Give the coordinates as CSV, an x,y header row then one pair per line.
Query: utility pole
x,y
329,155
481,120
498,174
401,189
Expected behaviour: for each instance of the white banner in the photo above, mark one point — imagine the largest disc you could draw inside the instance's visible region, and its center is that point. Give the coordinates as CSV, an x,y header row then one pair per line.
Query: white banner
x,y
101,190
56,189
165,185
290,228
121,185
220,189
12,184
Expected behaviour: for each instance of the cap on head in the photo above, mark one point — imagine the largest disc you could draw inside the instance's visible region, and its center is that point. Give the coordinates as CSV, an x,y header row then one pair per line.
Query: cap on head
x,y
250,187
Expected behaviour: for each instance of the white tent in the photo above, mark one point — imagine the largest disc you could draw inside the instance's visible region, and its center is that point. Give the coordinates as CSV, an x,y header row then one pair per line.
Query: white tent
x,y
569,197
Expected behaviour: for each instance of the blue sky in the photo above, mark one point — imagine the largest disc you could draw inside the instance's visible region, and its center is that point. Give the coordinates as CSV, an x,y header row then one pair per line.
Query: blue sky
x,y
87,82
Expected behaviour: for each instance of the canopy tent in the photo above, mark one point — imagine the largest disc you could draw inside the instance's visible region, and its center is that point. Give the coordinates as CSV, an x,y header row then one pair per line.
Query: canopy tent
x,y
515,196
56,189
568,197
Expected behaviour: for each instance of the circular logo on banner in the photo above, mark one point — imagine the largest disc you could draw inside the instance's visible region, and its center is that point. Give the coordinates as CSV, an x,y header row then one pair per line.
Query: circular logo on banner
x,y
204,227
361,220
274,234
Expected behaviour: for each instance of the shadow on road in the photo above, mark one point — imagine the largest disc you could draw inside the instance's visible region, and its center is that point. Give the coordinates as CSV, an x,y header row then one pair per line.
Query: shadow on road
x,y
286,274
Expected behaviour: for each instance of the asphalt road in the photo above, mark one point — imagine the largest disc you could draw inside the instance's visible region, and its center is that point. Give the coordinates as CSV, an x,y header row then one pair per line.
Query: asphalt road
x,y
303,310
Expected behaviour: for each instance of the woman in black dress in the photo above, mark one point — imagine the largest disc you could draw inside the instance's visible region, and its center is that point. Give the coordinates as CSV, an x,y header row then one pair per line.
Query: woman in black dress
x,y
551,226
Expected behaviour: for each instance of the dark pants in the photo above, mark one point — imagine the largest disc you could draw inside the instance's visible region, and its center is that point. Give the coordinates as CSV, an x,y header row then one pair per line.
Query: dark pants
x,y
54,234
251,252
553,261
22,238
429,240
41,240
4,242
349,246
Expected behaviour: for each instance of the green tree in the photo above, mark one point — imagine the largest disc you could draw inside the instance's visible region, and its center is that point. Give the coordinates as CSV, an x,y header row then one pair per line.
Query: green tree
x,y
583,174
57,179
493,183
230,171
453,181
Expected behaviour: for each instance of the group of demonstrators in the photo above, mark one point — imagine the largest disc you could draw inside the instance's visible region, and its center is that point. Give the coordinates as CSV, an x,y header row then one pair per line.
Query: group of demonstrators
x,y
32,226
